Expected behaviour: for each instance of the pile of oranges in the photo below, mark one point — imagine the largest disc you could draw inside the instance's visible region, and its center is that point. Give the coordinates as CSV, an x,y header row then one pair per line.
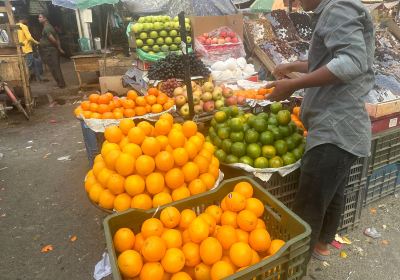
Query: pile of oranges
x,y
144,166
295,116
107,106
212,245
253,94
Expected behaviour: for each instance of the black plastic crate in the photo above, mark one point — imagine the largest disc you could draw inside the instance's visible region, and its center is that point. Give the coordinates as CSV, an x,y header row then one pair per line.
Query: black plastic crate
x,y
385,149
382,182
358,171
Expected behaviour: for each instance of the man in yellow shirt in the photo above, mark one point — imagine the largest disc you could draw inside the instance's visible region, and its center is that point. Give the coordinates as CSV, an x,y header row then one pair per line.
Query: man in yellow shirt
x,y
26,40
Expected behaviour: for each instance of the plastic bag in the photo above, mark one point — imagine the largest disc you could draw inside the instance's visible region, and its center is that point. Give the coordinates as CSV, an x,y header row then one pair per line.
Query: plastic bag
x,y
218,51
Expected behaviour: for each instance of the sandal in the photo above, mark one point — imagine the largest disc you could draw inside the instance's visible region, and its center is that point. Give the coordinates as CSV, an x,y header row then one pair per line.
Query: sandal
x,y
319,256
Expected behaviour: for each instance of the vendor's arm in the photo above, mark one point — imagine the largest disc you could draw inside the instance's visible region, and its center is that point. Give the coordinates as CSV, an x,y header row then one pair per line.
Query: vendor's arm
x,y
27,34
281,70
343,36
55,42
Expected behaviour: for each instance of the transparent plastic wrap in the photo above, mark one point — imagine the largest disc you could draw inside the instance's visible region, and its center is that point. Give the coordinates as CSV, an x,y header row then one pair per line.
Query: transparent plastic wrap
x,y
219,48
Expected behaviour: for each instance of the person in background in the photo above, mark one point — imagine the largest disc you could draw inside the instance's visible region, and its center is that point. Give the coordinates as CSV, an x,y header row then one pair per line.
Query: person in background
x,y
50,50
337,77
27,41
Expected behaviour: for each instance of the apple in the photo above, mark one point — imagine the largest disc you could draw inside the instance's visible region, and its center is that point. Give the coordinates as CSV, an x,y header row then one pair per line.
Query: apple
x,y
146,48
188,39
201,39
187,20
235,40
173,47
187,26
230,101
207,96
185,110
209,106
198,109
178,91
221,41
166,18
208,87
231,34
143,35
139,43
158,25
177,40
219,104
197,92
151,26
156,48
227,92
160,41
137,28
150,42
196,99
167,25
223,34
214,41
228,39
241,100
205,35
163,33
176,25
153,34
217,95
173,33
168,41
176,18
142,20
180,100
164,48
208,41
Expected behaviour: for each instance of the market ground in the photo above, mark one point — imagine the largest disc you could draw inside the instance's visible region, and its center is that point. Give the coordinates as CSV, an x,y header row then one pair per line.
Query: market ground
x,y
42,202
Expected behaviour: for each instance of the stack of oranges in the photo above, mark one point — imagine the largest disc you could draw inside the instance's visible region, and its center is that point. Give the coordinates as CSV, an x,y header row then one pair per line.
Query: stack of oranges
x,y
295,116
144,166
259,94
212,245
107,106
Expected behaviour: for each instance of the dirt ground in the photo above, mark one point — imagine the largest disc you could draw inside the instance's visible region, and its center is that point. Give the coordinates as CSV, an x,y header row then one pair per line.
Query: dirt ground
x,y
43,202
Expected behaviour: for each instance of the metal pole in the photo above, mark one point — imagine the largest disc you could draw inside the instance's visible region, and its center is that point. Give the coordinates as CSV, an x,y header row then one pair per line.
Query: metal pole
x,y
290,6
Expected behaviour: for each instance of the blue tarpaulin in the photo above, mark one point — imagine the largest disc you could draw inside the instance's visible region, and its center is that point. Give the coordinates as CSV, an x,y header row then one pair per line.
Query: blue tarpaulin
x,y
81,4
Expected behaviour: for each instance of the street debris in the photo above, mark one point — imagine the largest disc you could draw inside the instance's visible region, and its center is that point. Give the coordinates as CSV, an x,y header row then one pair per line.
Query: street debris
x,y
372,211
73,238
336,244
384,226
46,155
342,240
348,277
372,232
385,242
325,264
29,147
30,141
343,254
64,158
47,248
102,268
5,167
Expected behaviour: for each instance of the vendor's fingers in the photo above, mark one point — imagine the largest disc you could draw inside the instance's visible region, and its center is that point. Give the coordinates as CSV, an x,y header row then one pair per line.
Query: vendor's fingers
x,y
270,85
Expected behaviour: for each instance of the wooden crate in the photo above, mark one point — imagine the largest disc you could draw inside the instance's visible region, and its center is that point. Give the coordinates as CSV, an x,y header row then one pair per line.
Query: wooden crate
x,y
383,109
114,66
9,68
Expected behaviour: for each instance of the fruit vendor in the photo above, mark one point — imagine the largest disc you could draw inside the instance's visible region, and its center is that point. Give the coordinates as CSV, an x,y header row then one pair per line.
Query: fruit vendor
x,y
337,77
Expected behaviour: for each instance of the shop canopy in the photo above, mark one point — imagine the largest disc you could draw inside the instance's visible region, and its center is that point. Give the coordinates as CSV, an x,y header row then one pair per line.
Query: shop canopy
x,y
81,4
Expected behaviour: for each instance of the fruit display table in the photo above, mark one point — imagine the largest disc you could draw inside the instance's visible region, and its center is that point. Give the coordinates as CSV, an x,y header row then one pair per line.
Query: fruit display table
x,y
86,63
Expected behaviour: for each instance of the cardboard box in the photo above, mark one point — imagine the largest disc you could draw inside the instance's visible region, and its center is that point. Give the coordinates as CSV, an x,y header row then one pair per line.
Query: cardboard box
x,y
383,109
207,24
112,84
385,123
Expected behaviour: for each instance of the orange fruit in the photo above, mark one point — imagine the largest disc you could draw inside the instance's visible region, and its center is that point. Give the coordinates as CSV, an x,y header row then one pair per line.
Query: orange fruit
x,y
152,91
150,146
215,212
95,116
255,205
154,183
172,238
136,135
261,224
210,250
208,180
235,201
94,97
125,164
152,227
241,254
162,98
192,254
197,186
116,184
107,116
163,140
242,236
103,176
111,158
202,163
162,127
169,104
226,235
122,202
274,247
221,270
97,167
145,165
168,117
255,258
205,153
180,193
148,108
125,125
86,105
156,108
181,276
189,128
134,185
198,230
130,263
113,134
198,139
118,115
129,113
246,220
260,240
209,147
106,199
103,108
131,94
124,239
186,236
87,114
174,178
202,272
214,161
93,107
187,216
140,111
124,141
95,191
90,181
142,201
161,198
176,139
132,149
229,218
164,161
173,260
170,217
128,104
244,188
153,249
150,99
214,171
191,149
180,156
190,171
104,99
139,240
210,222
98,158
152,271
146,126
140,101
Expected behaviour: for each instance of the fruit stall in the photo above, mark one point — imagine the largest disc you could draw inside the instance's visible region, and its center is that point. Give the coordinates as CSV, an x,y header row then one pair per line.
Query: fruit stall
x,y
198,170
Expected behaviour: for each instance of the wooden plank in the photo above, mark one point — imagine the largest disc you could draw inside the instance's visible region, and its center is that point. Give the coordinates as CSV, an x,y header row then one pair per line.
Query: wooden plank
x,y
86,64
383,109
114,66
393,28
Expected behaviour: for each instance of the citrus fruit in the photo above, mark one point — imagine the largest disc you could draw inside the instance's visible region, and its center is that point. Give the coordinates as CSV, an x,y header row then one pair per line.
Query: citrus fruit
x,y
136,135
198,230
215,212
255,205
152,227
152,271
260,124
132,149
170,217
283,117
226,145
210,250
251,136
267,138
235,201
237,136
116,184
172,238
125,164
155,183
181,156
180,193
241,254
227,236
220,116
113,134
268,151
130,263
173,260
275,162
153,249
238,149
142,201
261,162
125,125
288,158
260,240
229,218
221,155
275,107
192,254
144,165
208,180
244,188
174,178
276,244
134,185
253,150
246,220
161,198
221,270
124,239
122,202
202,272
246,160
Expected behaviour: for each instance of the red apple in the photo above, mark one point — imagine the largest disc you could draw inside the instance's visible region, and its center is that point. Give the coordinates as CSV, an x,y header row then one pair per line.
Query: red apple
x,y
201,39
231,101
228,39
214,41
205,35
235,40
241,100
221,41
223,34
208,41
209,106
231,34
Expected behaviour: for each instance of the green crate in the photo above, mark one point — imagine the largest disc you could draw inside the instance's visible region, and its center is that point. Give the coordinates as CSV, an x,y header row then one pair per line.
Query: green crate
x,y
289,263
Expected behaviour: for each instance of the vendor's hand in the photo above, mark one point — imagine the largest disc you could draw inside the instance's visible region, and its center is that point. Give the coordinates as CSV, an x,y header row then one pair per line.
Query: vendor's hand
x,y
61,50
281,70
283,89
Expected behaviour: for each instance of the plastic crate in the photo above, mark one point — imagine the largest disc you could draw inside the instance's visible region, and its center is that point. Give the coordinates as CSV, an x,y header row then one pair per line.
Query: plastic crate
x,y
385,149
93,141
353,202
287,263
382,183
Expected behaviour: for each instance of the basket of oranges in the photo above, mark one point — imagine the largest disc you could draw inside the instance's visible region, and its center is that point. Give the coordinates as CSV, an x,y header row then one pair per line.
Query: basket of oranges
x,y
235,231
145,166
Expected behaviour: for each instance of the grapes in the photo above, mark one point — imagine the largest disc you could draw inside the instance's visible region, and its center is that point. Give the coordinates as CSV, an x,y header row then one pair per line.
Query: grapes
x,y
169,85
172,66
